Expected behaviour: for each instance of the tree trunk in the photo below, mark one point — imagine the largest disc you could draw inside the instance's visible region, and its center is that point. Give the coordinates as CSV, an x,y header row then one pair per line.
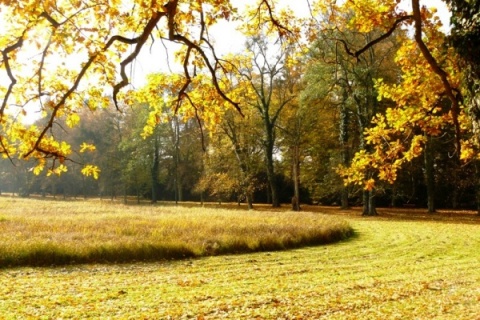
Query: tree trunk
x,y
245,177
429,175
270,166
344,120
269,194
249,200
177,187
179,191
393,203
477,179
369,206
125,199
155,169
296,179
84,188
272,183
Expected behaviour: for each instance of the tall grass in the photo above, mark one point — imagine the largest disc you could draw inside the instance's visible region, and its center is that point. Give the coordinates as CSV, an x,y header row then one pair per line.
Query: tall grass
x,y
42,233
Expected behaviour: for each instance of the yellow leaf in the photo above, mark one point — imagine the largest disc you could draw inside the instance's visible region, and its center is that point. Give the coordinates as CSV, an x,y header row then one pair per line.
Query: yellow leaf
x,y
369,184
72,120
87,147
90,170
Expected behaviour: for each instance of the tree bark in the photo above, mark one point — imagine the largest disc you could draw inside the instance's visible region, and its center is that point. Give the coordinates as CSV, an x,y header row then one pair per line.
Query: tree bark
x,y
369,206
155,169
429,175
177,185
269,144
477,179
344,119
249,200
272,182
296,178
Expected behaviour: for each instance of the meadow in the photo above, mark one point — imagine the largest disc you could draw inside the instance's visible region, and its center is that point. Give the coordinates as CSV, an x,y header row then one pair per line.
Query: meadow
x,y
392,268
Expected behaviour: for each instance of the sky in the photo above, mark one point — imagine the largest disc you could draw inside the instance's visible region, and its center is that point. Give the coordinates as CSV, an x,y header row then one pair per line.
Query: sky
x,y
229,40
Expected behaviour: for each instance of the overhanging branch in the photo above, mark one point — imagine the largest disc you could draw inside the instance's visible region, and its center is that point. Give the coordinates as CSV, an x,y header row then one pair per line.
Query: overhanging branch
x,y
450,91
384,36
139,42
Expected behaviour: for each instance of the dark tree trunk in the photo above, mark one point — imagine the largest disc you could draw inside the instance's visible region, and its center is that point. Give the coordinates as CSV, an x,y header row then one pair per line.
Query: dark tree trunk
x,y
369,206
344,119
296,178
477,180
249,200
269,194
125,198
272,183
84,188
177,184
269,144
429,175
245,182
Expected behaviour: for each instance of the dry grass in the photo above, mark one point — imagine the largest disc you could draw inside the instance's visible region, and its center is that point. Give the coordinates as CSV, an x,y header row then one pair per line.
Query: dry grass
x,y
43,233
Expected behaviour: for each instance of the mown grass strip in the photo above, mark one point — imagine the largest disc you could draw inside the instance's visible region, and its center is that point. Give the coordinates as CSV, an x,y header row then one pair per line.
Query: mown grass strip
x,y
43,233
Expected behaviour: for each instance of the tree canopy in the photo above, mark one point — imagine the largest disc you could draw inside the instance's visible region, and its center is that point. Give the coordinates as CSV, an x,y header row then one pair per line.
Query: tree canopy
x,y
62,57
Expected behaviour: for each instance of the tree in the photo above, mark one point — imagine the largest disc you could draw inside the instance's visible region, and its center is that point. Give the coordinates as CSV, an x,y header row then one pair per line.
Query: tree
x,y
347,82
262,85
429,77
242,134
297,129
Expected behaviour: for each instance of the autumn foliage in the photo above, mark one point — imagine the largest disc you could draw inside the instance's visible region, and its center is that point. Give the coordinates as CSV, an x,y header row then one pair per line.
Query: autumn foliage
x,y
59,58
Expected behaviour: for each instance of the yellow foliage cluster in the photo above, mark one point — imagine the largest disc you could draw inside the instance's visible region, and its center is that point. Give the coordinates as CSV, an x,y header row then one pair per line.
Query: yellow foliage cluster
x,y
200,99
60,56
420,108
371,14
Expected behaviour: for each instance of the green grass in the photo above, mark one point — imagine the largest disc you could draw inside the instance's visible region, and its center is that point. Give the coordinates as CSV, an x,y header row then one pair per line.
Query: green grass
x,y
44,233
391,269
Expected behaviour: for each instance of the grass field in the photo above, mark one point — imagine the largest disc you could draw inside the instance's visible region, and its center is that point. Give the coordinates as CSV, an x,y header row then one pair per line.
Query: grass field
x,y
391,269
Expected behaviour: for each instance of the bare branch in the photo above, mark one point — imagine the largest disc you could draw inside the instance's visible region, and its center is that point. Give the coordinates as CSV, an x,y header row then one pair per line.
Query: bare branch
x,y
139,41
13,80
199,121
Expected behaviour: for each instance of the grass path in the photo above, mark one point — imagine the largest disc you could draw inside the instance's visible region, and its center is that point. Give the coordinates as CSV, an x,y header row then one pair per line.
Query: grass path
x,y
391,270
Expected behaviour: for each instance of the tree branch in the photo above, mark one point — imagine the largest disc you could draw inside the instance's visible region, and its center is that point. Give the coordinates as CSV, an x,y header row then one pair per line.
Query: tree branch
x,y
282,30
437,69
384,36
139,41
190,44
8,69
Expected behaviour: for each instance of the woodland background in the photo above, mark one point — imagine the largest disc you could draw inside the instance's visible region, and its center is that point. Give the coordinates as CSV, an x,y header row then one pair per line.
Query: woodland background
x,y
361,103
